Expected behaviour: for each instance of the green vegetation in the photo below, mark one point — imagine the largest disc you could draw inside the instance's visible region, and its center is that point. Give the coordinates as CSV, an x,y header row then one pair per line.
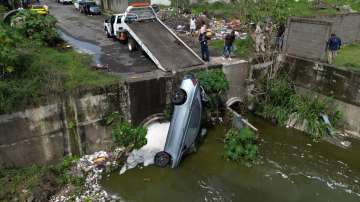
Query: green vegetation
x,y
260,10
126,135
348,57
64,176
242,48
33,66
215,85
3,10
35,180
37,27
281,102
241,145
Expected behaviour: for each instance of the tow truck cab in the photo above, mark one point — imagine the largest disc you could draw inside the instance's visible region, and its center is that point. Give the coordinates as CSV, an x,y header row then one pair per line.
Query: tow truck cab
x,y
115,26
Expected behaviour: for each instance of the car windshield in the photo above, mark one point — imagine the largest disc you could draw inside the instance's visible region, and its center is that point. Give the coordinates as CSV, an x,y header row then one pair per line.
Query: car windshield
x,y
142,13
37,6
92,4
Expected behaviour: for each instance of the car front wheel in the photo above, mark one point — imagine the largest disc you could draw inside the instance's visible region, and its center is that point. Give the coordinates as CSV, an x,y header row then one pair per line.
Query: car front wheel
x,y
179,97
162,159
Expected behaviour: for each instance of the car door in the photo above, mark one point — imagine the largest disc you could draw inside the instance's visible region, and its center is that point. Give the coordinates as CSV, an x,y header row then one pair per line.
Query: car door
x,y
117,24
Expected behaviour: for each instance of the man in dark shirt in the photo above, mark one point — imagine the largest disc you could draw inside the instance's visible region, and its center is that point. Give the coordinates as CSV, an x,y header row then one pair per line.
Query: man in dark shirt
x,y
280,36
204,47
229,41
333,45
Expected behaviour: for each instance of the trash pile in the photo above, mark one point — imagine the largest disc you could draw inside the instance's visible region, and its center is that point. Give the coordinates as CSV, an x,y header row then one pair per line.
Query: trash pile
x,y
92,167
220,28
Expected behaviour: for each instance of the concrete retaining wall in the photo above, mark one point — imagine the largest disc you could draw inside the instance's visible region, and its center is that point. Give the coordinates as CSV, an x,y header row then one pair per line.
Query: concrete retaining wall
x,y
306,37
342,85
74,124
115,5
346,26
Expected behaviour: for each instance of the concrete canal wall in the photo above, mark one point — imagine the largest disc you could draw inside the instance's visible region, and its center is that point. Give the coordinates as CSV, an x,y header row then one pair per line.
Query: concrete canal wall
x,y
328,81
306,37
74,124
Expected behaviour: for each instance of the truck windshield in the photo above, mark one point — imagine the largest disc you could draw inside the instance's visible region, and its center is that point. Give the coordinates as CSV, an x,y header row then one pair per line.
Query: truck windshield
x,y
142,13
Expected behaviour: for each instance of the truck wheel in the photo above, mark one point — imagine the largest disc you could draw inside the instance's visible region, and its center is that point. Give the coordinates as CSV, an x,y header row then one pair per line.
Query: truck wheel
x,y
108,34
162,159
178,97
131,45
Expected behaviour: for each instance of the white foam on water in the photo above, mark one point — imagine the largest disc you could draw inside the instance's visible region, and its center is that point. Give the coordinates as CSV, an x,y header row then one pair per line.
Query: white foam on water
x,y
156,138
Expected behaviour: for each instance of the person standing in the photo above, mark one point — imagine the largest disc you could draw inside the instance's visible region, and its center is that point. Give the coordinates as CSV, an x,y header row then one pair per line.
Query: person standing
x,y
192,26
333,45
229,41
204,46
259,39
280,36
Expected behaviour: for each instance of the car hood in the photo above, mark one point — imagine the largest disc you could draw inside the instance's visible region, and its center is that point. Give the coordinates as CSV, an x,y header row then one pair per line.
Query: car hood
x,y
94,9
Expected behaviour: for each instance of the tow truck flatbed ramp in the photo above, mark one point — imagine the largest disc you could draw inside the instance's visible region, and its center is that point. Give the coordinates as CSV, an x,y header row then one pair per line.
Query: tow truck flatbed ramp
x,y
170,52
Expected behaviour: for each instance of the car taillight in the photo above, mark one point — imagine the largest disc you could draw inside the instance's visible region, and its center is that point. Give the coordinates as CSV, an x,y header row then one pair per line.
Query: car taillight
x,y
194,81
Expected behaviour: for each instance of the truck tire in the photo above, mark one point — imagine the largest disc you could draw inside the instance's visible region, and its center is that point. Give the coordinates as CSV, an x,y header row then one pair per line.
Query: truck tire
x,y
179,97
131,45
107,33
162,159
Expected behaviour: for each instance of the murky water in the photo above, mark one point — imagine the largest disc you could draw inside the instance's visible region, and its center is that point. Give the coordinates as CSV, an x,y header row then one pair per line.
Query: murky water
x,y
83,47
292,168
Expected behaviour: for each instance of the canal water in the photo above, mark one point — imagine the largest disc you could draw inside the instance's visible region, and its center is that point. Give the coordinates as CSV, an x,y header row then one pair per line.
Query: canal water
x,y
291,168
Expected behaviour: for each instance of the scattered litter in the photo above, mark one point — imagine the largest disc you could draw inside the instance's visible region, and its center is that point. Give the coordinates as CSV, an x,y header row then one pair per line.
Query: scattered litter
x,y
93,166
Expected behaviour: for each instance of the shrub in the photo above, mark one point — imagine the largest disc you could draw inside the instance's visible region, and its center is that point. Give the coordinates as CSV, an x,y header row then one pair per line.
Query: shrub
x,y
281,101
240,144
213,81
37,27
125,135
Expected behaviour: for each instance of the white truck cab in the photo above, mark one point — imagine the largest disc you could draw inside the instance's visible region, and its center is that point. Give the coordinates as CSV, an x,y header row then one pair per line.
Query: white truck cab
x,y
116,25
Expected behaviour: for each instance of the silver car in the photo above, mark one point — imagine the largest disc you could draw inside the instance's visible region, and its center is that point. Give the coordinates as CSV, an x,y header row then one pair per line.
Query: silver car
x,y
185,123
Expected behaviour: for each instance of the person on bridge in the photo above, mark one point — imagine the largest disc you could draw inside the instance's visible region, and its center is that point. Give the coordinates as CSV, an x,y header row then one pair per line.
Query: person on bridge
x,y
280,36
333,45
229,41
192,26
204,46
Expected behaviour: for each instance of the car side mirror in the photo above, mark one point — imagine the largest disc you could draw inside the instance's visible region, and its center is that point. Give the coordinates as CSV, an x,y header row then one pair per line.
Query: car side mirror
x,y
106,20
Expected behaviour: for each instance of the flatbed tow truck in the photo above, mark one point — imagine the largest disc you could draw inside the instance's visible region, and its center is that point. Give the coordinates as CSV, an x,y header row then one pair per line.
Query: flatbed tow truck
x,y
140,28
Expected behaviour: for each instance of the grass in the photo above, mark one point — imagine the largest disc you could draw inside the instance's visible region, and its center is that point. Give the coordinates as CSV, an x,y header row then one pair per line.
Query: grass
x,y
278,10
281,102
35,67
49,72
242,48
3,10
13,181
348,57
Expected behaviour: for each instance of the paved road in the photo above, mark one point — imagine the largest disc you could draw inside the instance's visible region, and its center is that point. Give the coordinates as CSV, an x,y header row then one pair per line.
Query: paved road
x,y
90,29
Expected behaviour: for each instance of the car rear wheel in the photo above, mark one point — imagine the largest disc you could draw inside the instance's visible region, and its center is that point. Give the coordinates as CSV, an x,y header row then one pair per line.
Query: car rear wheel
x,y
131,45
162,159
179,97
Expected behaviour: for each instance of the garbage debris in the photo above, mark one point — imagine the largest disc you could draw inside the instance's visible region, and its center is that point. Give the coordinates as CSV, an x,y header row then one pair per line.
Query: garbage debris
x,y
92,167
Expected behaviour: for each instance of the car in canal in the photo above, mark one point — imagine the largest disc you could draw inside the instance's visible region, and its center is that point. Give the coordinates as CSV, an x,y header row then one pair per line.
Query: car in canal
x,y
89,8
185,124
